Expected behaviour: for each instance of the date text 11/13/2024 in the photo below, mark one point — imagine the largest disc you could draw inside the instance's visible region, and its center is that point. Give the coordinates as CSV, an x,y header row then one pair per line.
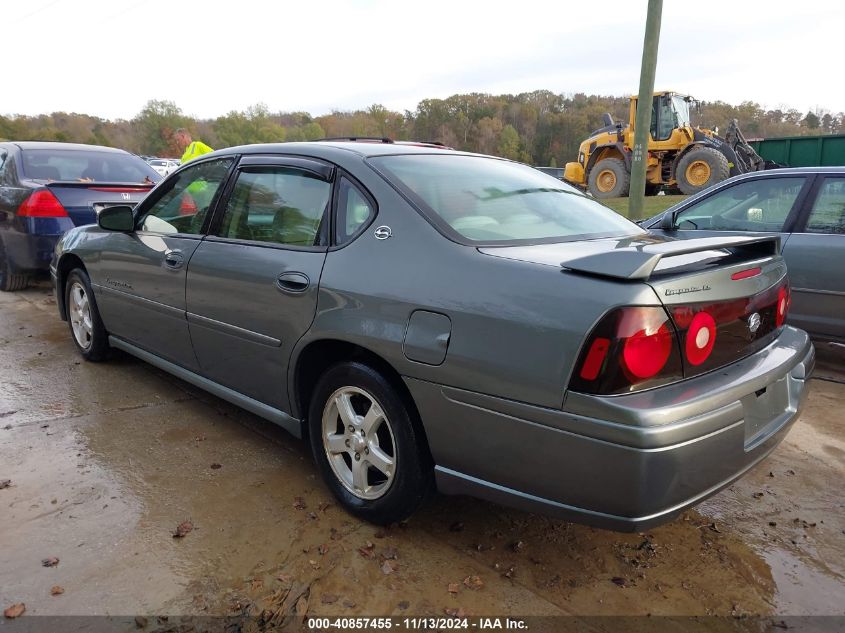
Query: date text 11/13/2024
x,y
416,623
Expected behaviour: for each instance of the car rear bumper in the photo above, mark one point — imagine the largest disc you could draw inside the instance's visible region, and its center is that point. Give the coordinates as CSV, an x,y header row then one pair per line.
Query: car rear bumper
x,y
32,249
621,462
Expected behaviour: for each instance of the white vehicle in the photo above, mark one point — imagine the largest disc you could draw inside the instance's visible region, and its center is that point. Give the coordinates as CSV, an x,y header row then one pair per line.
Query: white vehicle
x,y
163,165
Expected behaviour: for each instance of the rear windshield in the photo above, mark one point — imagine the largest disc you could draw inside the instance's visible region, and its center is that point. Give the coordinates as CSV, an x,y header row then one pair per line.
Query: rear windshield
x,y
486,200
86,166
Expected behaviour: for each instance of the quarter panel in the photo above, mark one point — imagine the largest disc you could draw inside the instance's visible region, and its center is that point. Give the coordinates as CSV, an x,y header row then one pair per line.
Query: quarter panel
x,y
517,327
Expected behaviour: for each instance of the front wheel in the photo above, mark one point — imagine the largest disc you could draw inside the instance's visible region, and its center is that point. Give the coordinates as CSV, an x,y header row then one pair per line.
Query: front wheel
x,y
700,168
609,179
86,327
366,444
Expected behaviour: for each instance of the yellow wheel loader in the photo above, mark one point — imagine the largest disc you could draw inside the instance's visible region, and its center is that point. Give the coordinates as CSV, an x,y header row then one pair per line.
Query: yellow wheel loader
x,y
680,156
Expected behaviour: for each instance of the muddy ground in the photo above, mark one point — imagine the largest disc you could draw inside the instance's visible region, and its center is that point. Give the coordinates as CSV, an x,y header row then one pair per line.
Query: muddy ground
x,y
106,460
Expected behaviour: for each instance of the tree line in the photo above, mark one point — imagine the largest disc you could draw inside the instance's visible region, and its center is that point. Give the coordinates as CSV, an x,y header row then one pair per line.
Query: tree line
x,y
540,127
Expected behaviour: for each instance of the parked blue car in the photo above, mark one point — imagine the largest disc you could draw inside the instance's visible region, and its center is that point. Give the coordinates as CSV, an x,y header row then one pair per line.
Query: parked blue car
x,y
48,188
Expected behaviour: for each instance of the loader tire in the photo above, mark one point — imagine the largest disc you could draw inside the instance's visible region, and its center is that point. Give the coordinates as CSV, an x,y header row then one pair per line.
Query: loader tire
x,y
700,168
609,179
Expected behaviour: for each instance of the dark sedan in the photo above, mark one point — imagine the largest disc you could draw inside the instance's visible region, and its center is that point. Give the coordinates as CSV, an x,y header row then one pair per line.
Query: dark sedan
x,y
48,188
806,207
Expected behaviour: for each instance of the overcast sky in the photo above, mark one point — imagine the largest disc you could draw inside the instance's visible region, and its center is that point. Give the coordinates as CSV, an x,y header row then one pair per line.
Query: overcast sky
x,y
109,57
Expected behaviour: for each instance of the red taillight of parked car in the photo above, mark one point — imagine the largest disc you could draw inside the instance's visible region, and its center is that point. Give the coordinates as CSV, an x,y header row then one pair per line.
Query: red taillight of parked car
x,y
630,348
41,203
636,348
716,333
782,306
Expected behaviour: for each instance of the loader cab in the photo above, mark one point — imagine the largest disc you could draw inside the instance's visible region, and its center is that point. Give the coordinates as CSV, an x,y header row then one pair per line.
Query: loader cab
x,y
669,112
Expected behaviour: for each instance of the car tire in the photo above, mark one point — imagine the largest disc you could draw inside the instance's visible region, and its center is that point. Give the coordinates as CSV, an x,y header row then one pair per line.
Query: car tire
x,y
9,281
609,179
378,466
700,168
86,327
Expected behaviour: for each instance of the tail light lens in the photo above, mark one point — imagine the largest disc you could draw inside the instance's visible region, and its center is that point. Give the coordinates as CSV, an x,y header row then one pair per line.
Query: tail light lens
x,y
782,306
41,203
630,348
700,339
637,348
187,206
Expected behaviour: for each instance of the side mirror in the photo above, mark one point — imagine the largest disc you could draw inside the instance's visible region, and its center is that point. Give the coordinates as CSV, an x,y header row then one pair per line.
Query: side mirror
x,y
117,218
667,222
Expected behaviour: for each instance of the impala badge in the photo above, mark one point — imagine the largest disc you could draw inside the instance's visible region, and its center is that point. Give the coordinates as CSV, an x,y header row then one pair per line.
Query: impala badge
x,y
754,322
383,232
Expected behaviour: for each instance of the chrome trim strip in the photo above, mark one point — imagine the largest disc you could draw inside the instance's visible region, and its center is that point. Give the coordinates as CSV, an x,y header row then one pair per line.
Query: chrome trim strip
x,y
233,330
170,311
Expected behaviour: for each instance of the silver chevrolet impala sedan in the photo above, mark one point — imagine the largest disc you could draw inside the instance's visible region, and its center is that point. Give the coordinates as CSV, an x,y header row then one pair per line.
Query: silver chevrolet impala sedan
x,y
435,320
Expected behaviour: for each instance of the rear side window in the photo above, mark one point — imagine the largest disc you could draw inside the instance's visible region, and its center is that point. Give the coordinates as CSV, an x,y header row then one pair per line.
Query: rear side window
x,y
354,210
486,200
86,166
828,212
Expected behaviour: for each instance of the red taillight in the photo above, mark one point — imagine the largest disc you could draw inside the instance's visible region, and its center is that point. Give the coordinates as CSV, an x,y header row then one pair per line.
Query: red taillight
x,y
700,338
782,305
139,189
645,353
630,347
42,204
745,274
595,358
187,206
636,348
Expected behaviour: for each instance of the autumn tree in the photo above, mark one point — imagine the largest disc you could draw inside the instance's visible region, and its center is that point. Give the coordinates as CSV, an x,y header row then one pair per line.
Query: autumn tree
x,y
155,126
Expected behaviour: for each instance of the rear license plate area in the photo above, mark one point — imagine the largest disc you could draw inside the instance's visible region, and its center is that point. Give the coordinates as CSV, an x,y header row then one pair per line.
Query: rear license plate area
x,y
765,411
99,206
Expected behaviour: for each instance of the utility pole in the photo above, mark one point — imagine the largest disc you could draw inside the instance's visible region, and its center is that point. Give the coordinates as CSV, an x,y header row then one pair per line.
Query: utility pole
x,y
639,159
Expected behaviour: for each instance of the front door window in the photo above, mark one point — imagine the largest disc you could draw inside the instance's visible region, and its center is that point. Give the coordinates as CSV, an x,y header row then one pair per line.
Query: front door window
x,y
183,209
761,204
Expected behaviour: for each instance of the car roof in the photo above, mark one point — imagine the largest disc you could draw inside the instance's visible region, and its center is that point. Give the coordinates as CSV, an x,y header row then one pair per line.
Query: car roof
x,y
24,145
826,169
318,148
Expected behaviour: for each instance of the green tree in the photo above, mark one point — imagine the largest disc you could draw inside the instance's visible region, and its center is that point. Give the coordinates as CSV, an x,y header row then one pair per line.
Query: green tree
x,y
155,126
508,146
811,121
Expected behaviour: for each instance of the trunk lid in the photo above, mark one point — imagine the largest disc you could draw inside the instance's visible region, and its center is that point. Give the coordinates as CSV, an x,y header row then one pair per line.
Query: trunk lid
x,y
725,296
84,200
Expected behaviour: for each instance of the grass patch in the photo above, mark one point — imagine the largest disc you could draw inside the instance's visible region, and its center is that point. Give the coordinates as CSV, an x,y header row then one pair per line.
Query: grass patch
x,y
653,205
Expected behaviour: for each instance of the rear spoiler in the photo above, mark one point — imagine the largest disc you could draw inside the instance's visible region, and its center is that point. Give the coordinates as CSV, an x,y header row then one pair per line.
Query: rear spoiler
x,y
639,262
96,184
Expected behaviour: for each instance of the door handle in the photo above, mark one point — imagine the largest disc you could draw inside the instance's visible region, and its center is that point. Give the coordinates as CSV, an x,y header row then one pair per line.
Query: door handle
x,y
293,282
174,259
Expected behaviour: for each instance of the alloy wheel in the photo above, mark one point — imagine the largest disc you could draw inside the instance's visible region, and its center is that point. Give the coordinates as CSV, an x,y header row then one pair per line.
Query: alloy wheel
x,y
359,443
79,312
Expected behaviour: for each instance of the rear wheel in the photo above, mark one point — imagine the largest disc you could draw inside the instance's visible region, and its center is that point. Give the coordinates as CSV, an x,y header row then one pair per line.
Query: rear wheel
x,y
609,179
86,327
700,168
366,445
9,281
